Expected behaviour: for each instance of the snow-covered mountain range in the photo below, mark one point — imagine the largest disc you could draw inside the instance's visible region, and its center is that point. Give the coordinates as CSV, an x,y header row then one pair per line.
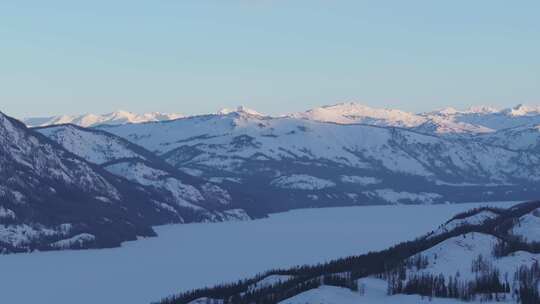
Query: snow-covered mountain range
x,y
238,164
53,199
90,120
191,198
448,121
303,162
100,195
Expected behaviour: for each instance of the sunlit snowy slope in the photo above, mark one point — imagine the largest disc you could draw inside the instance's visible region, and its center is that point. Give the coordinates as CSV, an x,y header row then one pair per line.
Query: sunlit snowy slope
x,y
89,120
188,197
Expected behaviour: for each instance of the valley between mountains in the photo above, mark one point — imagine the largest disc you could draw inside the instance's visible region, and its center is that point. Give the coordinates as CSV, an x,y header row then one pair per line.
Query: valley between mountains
x,y
97,181
71,186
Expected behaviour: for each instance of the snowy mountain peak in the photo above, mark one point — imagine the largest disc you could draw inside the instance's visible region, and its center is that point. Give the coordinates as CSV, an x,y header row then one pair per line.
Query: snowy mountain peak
x,y
482,109
447,111
91,120
523,110
451,111
239,110
352,112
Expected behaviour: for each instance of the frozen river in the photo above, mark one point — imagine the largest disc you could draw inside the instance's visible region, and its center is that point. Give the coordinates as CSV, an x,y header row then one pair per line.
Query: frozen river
x,y
196,255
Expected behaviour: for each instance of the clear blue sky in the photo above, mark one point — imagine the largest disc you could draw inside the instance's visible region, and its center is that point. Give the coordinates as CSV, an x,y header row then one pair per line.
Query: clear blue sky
x,y
195,56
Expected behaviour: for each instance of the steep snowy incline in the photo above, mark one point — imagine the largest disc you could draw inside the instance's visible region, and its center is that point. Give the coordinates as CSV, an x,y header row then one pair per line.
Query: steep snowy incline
x,y
89,120
52,199
191,198
522,138
93,145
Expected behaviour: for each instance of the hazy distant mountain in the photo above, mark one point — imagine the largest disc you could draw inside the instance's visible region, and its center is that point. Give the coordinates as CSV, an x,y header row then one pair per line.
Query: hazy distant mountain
x,y
89,120
448,121
492,118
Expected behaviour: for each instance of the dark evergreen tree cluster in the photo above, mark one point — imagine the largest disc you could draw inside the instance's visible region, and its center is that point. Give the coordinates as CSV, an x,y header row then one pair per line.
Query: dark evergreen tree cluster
x,y
341,280
510,244
526,284
486,285
475,211
239,293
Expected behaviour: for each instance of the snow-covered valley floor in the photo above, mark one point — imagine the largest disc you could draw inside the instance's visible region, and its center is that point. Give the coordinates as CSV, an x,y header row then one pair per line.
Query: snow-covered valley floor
x,y
190,256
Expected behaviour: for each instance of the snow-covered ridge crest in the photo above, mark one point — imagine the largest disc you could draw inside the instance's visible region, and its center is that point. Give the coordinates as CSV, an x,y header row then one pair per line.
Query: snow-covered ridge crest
x,y
44,189
90,120
352,112
176,191
447,121
239,110
523,110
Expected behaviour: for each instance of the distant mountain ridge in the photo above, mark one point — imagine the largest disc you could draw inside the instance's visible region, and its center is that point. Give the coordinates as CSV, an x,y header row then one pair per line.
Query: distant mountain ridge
x,y
91,120
447,121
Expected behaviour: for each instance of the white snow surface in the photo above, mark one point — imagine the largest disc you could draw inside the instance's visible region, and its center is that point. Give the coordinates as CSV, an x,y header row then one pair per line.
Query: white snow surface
x,y
227,141
90,120
360,180
347,113
239,109
375,293
476,219
476,119
6,213
456,255
21,234
302,182
184,195
495,119
79,239
525,137
396,197
45,160
528,227
94,147
449,121
191,256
